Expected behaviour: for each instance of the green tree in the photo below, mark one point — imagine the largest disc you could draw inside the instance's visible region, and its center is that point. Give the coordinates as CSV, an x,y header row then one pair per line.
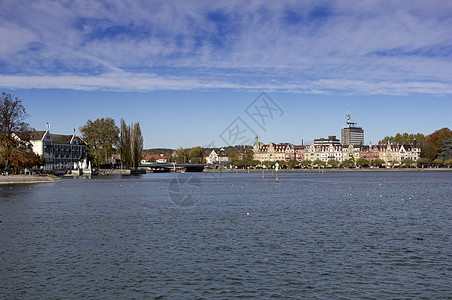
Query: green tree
x,y
102,137
392,163
403,138
281,163
243,163
306,163
408,162
137,144
424,161
362,162
349,163
438,162
268,164
378,162
254,163
292,163
333,163
448,162
195,155
182,156
14,137
319,163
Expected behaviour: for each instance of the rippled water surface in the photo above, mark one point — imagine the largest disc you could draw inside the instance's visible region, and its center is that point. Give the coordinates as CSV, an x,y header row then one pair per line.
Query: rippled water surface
x,y
222,235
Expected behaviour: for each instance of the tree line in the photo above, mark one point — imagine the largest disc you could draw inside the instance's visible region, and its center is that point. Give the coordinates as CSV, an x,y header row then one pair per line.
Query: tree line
x,y
436,148
107,143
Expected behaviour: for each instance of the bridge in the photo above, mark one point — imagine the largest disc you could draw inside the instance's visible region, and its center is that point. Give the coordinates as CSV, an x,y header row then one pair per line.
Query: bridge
x,y
168,167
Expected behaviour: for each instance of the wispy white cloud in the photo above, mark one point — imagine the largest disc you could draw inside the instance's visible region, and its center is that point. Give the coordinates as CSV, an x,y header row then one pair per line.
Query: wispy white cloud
x,y
367,47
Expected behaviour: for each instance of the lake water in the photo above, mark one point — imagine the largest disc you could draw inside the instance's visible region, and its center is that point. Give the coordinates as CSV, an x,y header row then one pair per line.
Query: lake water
x,y
221,235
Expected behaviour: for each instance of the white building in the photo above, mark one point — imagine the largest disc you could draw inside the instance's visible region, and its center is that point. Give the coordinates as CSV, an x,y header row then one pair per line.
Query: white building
x,y
217,158
61,152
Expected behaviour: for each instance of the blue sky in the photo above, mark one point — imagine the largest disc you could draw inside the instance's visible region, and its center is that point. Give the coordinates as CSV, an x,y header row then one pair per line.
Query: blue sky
x,y
186,70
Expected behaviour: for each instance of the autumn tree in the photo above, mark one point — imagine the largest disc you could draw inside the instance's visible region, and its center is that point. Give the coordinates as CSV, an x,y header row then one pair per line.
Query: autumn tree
x,y
24,157
15,149
437,137
427,150
102,137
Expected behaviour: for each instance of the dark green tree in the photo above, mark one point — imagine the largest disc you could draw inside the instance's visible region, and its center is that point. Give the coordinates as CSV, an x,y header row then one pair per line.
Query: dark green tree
x,y
137,144
445,152
126,142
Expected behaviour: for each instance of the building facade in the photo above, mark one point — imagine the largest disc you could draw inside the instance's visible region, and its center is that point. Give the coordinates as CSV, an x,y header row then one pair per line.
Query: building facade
x,y
61,152
351,133
217,158
391,154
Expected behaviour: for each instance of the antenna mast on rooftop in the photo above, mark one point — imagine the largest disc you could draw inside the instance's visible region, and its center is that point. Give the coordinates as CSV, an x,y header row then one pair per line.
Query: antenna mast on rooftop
x,y
347,116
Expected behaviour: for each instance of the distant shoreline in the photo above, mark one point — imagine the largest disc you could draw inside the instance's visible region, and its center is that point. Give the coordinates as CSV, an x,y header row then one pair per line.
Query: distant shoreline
x,y
29,179
315,170
25,179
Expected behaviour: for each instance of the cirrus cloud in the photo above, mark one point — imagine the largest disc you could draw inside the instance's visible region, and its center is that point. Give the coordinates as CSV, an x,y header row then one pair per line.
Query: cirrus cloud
x,y
369,47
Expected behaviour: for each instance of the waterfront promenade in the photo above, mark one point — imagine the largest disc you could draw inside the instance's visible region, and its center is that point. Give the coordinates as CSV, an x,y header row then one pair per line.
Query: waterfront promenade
x,y
18,179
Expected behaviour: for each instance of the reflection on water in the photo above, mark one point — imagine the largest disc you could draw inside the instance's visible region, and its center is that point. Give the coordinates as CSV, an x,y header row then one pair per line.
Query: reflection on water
x,y
357,235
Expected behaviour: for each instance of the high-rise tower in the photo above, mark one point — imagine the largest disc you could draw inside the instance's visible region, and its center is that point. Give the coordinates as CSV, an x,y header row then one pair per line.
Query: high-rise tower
x,y
351,134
